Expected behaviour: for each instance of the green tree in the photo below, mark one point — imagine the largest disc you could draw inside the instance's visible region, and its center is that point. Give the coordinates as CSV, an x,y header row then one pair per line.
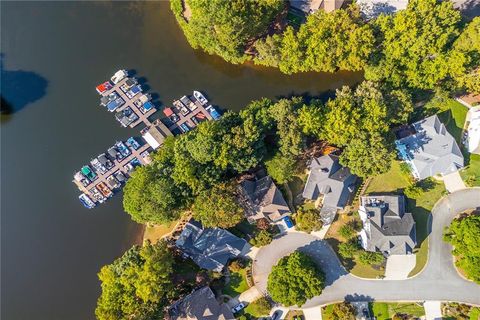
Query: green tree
x,y
415,45
371,258
343,311
281,168
349,249
312,118
138,285
291,138
463,234
308,220
347,231
262,238
218,207
225,28
295,279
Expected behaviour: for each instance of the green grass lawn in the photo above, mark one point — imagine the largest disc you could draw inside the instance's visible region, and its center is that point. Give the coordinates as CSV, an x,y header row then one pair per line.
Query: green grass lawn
x,y
327,312
237,284
475,313
392,181
471,174
385,311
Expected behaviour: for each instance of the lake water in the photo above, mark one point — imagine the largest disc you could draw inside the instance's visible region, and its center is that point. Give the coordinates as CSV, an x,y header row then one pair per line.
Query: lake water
x,y
53,56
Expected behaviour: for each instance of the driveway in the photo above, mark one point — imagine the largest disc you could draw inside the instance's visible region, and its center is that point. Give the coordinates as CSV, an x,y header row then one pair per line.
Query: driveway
x,y
453,182
439,281
399,266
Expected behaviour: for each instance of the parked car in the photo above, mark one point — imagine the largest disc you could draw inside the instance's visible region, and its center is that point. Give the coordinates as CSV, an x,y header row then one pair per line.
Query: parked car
x,y
276,315
238,307
288,222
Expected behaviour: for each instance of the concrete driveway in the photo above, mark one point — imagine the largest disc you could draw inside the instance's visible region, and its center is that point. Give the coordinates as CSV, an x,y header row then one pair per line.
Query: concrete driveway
x,y
453,182
439,281
399,266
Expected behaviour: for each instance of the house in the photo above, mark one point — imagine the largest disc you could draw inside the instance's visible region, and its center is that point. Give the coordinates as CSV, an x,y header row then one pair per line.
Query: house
x,y
373,8
260,198
210,248
429,149
387,228
312,6
156,134
473,130
331,180
200,305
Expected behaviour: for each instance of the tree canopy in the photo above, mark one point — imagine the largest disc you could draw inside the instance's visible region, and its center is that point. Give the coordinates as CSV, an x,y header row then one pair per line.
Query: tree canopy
x,y
295,279
218,207
308,220
138,285
225,28
463,234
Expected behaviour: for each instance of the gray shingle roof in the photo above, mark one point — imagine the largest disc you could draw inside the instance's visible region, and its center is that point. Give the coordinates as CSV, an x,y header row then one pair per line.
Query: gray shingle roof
x,y
200,305
329,178
262,199
388,228
431,149
209,248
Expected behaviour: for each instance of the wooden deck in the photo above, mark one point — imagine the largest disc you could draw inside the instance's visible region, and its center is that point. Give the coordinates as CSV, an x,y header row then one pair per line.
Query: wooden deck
x,y
188,117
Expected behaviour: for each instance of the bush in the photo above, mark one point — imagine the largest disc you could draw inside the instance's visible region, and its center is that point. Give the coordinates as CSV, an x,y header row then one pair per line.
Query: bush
x,y
281,168
347,231
405,168
259,307
308,220
371,258
263,224
237,265
262,238
413,191
343,311
348,250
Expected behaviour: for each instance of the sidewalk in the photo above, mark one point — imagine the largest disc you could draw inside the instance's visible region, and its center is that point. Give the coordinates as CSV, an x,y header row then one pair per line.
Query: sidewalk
x,y
433,310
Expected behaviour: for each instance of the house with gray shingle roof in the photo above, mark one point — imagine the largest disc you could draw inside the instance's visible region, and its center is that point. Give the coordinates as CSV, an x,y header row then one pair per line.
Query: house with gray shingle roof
x,y
387,228
200,305
260,198
429,149
328,178
210,248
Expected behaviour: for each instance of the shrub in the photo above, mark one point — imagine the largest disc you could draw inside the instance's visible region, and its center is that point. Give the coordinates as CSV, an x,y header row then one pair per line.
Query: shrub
x,y
348,249
262,238
347,231
308,220
259,307
343,311
371,258
237,265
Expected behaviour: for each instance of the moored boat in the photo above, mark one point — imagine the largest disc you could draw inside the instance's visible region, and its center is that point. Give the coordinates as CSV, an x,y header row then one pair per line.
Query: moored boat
x,y
119,76
213,112
122,148
102,187
200,97
104,87
88,172
86,201
97,196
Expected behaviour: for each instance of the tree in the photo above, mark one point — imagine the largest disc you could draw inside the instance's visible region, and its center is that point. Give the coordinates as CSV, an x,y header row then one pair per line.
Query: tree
x,y
463,234
367,156
371,258
281,168
415,45
349,249
343,311
218,207
312,118
138,285
308,220
262,238
295,279
225,28
466,56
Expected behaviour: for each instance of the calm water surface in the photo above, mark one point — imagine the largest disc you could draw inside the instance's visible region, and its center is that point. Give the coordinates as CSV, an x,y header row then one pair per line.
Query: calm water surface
x,y
53,55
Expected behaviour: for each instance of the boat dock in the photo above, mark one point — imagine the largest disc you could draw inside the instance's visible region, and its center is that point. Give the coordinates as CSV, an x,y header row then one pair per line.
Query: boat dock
x,y
123,95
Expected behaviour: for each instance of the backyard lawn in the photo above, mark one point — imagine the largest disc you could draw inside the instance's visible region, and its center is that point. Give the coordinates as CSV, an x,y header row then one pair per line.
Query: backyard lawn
x,y
155,233
237,284
392,181
385,311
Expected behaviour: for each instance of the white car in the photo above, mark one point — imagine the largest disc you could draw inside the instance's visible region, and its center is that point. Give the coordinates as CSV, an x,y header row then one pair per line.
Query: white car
x,y
238,307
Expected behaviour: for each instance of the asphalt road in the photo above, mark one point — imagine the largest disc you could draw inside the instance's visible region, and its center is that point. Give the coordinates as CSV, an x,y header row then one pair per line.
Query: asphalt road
x,y
438,281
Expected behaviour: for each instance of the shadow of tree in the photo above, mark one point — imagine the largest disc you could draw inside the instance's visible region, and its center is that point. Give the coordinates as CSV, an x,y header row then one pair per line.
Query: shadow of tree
x,y
19,88
355,297
423,221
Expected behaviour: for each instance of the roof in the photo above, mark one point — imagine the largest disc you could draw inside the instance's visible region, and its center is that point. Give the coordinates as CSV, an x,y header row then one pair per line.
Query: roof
x,y
209,248
373,8
262,199
310,6
430,149
387,226
156,134
329,178
473,130
202,305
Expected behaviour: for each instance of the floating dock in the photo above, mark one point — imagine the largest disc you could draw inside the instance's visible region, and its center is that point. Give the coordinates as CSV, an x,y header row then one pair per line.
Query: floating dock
x,y
123,95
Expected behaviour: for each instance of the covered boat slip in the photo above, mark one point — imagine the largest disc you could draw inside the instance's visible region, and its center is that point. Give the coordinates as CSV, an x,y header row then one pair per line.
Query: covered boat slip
x,y
200,112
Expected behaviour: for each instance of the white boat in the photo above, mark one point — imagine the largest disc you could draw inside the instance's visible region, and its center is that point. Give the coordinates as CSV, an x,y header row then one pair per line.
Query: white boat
x,y
200,97
119,76
86,201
